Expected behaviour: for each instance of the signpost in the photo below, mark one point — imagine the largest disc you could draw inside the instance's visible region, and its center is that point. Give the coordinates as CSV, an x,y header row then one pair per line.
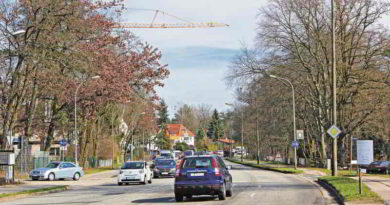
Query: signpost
x,y
365,155
300,135
295,144
334,131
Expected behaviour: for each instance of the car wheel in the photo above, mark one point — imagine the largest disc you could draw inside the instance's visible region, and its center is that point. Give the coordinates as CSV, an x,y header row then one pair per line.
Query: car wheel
x,y
150,180
120,183
229,192
51,177
178,197
222,194
76,176
34,179
144,182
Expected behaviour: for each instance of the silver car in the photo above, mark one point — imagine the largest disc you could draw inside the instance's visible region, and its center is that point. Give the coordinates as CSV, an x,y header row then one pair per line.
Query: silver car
x,y
58,170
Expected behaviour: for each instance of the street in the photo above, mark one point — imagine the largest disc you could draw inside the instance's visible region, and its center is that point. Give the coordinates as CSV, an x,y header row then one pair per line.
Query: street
x,y
251,186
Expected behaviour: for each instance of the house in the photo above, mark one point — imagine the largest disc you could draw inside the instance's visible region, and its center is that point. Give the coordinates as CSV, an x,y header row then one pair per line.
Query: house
x,y
179,133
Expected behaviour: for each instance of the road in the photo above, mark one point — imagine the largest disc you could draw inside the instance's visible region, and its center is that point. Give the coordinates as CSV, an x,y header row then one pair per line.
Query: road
x,y
251,186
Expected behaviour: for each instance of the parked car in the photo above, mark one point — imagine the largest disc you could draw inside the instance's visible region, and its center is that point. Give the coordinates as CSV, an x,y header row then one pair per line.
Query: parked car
x,y
58,170
164,167
379,167
220,153
135,171
203,175
166,154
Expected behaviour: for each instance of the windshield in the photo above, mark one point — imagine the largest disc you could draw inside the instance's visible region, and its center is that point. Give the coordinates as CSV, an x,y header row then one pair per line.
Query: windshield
x,y
187,153
52,165
165,162
166,155
199,162
134,165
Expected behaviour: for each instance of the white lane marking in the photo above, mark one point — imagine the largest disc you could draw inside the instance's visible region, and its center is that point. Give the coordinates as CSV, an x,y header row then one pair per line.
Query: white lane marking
x,y
252,195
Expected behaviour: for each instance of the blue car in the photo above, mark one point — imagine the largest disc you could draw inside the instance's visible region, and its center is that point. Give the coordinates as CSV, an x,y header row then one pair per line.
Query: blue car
x,y
164,167
203,175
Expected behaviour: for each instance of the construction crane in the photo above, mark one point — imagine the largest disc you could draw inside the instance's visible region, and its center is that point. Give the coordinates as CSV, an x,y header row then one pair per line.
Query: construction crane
x,y
183,24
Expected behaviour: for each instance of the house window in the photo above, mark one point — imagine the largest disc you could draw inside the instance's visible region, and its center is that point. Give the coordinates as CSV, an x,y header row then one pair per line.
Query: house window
x,y
186,138
55,151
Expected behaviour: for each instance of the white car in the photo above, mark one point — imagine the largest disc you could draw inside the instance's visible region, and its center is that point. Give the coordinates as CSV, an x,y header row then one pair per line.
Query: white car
x,y
135,171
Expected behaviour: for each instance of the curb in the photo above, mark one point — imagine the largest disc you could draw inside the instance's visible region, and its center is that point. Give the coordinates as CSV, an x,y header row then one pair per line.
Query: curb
x,y
19,196
331,188
263,168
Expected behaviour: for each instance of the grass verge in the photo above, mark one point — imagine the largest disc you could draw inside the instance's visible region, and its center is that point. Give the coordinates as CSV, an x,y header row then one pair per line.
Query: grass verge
x,y
96,170
285,170
34,191
348,189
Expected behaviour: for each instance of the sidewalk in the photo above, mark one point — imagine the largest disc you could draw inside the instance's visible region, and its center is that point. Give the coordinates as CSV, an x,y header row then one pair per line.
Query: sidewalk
x,y
379,185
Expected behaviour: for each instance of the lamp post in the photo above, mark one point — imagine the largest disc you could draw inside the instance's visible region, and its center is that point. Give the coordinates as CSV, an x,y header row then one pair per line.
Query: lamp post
x,y
294,123
75,114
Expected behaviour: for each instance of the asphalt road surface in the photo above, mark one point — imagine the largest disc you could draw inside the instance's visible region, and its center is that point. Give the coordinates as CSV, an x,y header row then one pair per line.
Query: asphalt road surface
x,y
250,186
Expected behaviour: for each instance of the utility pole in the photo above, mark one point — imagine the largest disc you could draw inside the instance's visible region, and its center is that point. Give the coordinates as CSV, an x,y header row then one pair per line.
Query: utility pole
x,y
334,155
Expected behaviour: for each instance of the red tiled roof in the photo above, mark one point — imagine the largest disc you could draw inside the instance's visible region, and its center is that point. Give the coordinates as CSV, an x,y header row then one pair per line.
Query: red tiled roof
x,y
178,130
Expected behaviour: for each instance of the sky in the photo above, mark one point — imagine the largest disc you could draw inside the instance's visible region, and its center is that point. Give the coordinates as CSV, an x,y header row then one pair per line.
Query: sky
x,y
198,58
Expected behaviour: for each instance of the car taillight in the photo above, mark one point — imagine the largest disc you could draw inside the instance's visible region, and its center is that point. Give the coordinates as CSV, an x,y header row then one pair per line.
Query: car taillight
x,y
216,167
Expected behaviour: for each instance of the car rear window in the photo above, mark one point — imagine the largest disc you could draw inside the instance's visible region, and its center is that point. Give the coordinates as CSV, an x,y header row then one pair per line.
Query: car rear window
x,y
133,165
197,162
165,162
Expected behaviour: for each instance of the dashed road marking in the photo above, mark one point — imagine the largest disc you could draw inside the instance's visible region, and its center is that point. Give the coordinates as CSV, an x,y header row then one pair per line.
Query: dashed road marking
x,y
252,195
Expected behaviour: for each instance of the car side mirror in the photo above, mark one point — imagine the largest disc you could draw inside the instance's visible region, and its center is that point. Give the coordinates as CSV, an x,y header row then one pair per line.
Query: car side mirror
x,y
229,167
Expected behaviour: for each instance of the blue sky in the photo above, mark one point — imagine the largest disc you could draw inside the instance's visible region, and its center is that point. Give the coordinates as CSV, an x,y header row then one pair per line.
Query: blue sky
x,y
198,59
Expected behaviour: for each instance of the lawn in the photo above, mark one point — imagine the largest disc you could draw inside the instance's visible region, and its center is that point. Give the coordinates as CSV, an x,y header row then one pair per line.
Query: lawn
x,y
349,189
96,170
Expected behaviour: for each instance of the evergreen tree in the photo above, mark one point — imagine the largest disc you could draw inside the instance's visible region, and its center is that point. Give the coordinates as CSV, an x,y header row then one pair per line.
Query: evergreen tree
x,y
215,130
163,117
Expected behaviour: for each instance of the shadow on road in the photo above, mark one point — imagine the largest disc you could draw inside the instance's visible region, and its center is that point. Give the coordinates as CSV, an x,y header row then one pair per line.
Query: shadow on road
x,y
172,200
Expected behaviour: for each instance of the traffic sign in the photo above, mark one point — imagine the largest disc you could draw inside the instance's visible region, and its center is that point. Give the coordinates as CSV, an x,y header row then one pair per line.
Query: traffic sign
x,y
295,144
300,135
63,142
334,131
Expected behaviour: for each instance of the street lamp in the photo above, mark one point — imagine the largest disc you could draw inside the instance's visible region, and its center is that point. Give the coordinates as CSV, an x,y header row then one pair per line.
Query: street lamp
x,y
294,123
75,113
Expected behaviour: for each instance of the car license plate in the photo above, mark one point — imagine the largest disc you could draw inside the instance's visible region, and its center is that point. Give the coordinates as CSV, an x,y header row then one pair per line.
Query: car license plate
x,y
164,173
197,174
130,177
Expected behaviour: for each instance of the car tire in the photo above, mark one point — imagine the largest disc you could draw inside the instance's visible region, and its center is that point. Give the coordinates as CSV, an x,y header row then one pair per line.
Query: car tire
x,y
229,192
76,176
150,180
35,179
222,194
178,198
51,177
119,183
144,182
